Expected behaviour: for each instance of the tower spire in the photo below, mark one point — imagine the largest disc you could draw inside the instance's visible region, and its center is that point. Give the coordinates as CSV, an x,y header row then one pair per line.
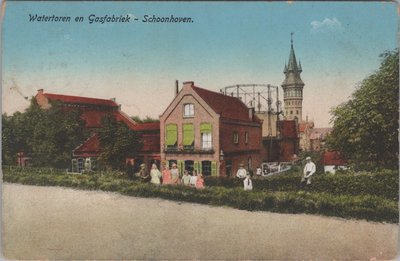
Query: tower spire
x,y
291,38
293,86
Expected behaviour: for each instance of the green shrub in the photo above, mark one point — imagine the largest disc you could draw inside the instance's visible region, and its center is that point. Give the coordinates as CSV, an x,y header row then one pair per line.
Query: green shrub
x,y
384,183
276,194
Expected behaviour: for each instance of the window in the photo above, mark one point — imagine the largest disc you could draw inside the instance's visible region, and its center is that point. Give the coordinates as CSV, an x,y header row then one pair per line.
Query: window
x,y
188,136
228,168
189,165
206,142
206,167
206,136
80,165
297,112
246,137
291,112
235,137
188,110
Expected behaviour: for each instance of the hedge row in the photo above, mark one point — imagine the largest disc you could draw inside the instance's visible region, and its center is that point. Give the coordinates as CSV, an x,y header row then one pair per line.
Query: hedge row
x,y
367,207
383,184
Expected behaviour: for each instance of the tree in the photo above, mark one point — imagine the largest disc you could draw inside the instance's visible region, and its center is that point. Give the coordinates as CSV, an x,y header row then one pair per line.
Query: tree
x,y
365,128
48,136
148,119
117,143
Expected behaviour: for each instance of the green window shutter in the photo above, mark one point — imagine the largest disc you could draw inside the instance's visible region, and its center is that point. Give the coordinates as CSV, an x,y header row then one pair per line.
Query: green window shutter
x,y
181,165
196,166
171,134
205,128
188,134
213,168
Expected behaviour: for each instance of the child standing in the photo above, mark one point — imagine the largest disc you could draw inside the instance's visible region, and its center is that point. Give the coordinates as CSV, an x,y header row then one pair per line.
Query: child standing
x,y
200,181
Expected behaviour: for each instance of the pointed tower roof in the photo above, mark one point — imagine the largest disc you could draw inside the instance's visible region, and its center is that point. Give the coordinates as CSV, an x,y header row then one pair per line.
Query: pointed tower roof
x,y
292,70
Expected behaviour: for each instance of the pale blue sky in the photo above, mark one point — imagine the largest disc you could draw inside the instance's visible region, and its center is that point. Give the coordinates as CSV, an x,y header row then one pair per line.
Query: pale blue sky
x,y
338,44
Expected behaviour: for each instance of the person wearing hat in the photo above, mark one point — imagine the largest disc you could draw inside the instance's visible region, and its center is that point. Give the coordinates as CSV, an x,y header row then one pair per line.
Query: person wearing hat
x,y
143,173
175,174
166,175
309,170
241,173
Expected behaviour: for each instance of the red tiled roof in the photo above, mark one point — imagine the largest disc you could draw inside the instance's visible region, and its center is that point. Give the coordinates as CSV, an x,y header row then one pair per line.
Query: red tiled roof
x,y
227,106
80,100
287,128
120,116
90,148
151,126
333,158
304,125
93,118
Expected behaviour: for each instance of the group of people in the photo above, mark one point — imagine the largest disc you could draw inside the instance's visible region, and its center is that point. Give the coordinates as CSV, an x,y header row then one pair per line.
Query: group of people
x,y
242,173
171,176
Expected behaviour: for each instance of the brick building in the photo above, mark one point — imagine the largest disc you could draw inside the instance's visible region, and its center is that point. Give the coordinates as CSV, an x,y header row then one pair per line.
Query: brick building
x,y
92,111
210,132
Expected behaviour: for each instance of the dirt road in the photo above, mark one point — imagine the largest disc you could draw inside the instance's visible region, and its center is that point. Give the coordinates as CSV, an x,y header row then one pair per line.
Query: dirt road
x,y
58,223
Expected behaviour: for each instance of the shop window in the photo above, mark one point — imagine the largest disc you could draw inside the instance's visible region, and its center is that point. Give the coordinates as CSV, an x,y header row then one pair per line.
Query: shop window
x,y
206,167
189,165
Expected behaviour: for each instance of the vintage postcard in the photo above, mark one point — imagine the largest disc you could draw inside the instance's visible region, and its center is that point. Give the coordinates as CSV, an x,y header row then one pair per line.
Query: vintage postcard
x,y
199,130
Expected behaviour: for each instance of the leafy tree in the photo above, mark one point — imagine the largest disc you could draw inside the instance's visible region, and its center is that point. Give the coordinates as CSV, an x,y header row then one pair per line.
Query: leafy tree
x,y
48,136
148,119
365,128
117,142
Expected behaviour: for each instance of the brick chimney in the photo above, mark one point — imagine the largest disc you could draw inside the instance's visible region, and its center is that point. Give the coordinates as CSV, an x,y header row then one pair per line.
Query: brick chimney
x,y
251,113
188,83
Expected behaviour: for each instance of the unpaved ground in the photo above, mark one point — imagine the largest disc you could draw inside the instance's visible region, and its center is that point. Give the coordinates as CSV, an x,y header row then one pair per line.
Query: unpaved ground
x,y
57,223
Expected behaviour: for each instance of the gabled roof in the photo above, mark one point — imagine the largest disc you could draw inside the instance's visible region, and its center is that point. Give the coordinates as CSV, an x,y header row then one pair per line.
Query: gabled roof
x,y
90,148
80,100
121,116
226,106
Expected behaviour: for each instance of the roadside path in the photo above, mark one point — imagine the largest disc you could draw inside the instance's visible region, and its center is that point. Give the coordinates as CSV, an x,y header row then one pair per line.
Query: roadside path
x,y
58,223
